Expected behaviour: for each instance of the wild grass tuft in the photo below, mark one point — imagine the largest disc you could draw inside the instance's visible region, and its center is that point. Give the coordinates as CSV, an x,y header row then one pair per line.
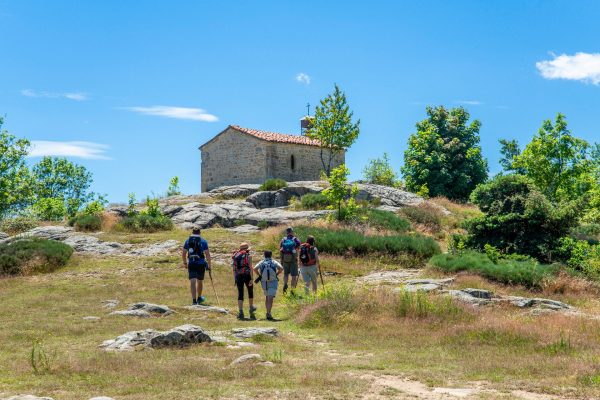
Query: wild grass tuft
x,y
273,184
423,305
523,272
386,220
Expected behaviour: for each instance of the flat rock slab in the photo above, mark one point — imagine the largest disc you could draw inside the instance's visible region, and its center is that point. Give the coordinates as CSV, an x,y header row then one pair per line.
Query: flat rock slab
x,y
525,302
467,297
426,284
180,336
156,249
91,318
27,397
132,313
200,307
388,277
110,303
479,293
246,228
144,310
248,333
246,358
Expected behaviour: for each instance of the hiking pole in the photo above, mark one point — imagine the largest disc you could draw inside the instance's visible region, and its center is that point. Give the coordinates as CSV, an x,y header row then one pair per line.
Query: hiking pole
x,y
213,286
321,275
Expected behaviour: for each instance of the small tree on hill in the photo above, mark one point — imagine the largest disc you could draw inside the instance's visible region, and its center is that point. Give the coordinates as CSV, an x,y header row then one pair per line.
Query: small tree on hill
x,y
61,180
380,172
337,193
444,157
560,164
332,126
173,189
14,175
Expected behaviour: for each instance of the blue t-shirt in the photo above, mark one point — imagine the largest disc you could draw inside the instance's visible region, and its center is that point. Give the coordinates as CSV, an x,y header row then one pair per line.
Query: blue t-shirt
x,y
203,245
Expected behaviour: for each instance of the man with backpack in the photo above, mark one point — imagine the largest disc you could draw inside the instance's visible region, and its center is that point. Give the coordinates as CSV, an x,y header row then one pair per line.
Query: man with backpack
x,y
288,248
241,261
309,261
196,258
268,271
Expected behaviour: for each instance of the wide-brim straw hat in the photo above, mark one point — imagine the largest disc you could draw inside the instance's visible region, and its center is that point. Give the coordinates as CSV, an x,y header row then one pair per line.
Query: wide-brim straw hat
x,y
244,246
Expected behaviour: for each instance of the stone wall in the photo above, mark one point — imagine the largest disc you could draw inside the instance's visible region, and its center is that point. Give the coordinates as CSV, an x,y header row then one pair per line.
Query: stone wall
x,y
234,158
293,162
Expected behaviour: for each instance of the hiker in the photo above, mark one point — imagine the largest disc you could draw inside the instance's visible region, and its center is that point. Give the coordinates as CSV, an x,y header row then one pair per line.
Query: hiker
x,y
309,260
196,257
288,248
243,275
268,271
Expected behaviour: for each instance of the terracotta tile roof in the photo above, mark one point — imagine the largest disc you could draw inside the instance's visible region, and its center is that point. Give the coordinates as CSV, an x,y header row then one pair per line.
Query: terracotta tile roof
x,y
277,137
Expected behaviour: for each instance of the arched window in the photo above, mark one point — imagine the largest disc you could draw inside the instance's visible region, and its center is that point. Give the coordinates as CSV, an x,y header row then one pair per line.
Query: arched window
x,y
293,162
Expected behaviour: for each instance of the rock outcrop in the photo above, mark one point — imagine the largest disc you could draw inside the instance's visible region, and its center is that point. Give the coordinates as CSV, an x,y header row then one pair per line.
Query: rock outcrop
x,y
248,333
144,310
211,309
88,244
180,336
480,297
236,191
387,196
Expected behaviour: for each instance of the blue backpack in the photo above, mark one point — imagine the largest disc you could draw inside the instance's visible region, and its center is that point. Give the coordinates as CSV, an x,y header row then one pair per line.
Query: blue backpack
x,y
288,246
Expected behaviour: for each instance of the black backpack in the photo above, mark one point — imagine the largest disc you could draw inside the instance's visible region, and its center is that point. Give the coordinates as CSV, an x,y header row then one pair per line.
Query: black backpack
x,y
195,251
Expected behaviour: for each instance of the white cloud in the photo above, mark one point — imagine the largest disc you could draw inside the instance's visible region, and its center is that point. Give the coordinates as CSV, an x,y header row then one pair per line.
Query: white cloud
x,y
87,150
583,67
303,78
195,114
469,102
55,95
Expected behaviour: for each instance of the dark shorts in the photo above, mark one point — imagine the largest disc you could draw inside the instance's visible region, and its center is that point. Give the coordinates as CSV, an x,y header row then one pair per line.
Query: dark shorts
x,y
290,268
196,271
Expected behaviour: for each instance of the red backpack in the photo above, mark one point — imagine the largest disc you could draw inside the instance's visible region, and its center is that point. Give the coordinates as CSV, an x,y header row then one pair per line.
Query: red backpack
x,y
307,254
241,262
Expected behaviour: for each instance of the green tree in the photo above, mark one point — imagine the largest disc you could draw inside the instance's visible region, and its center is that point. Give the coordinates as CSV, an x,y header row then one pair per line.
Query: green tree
x,y
337,193
518,218
444,157
58,178
379,172
332,126
14,175
173,189
557,162
510,150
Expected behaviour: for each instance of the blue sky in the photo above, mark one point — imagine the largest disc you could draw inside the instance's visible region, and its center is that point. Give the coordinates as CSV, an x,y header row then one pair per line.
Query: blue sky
x,y
131,89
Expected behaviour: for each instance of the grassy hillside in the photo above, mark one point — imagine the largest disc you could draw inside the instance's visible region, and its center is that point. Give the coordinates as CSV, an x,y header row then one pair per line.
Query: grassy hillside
x,y
353,341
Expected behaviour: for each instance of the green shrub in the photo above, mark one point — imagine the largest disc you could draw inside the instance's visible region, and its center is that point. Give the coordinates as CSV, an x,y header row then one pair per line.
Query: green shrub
x,y
314,201
528,273
386,220
423,215
145,223
88,223
580,256
16,225
263,224
273,184
518,218
343,242
331,304
33,255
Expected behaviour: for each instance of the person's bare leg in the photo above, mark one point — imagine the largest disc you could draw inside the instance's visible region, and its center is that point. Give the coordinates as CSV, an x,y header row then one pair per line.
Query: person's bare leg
x,y
294,281
200,286
306,286
269,304
193,288
314,285
240,305
285,279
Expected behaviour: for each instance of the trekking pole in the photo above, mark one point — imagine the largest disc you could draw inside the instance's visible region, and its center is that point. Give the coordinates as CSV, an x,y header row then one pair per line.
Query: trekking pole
x,y
321,275
213,286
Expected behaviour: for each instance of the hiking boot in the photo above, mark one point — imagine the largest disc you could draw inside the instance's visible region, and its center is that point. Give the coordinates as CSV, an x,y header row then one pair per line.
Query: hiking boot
x,y
270,317
252,310
241,315
194,302
285,287
201,299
